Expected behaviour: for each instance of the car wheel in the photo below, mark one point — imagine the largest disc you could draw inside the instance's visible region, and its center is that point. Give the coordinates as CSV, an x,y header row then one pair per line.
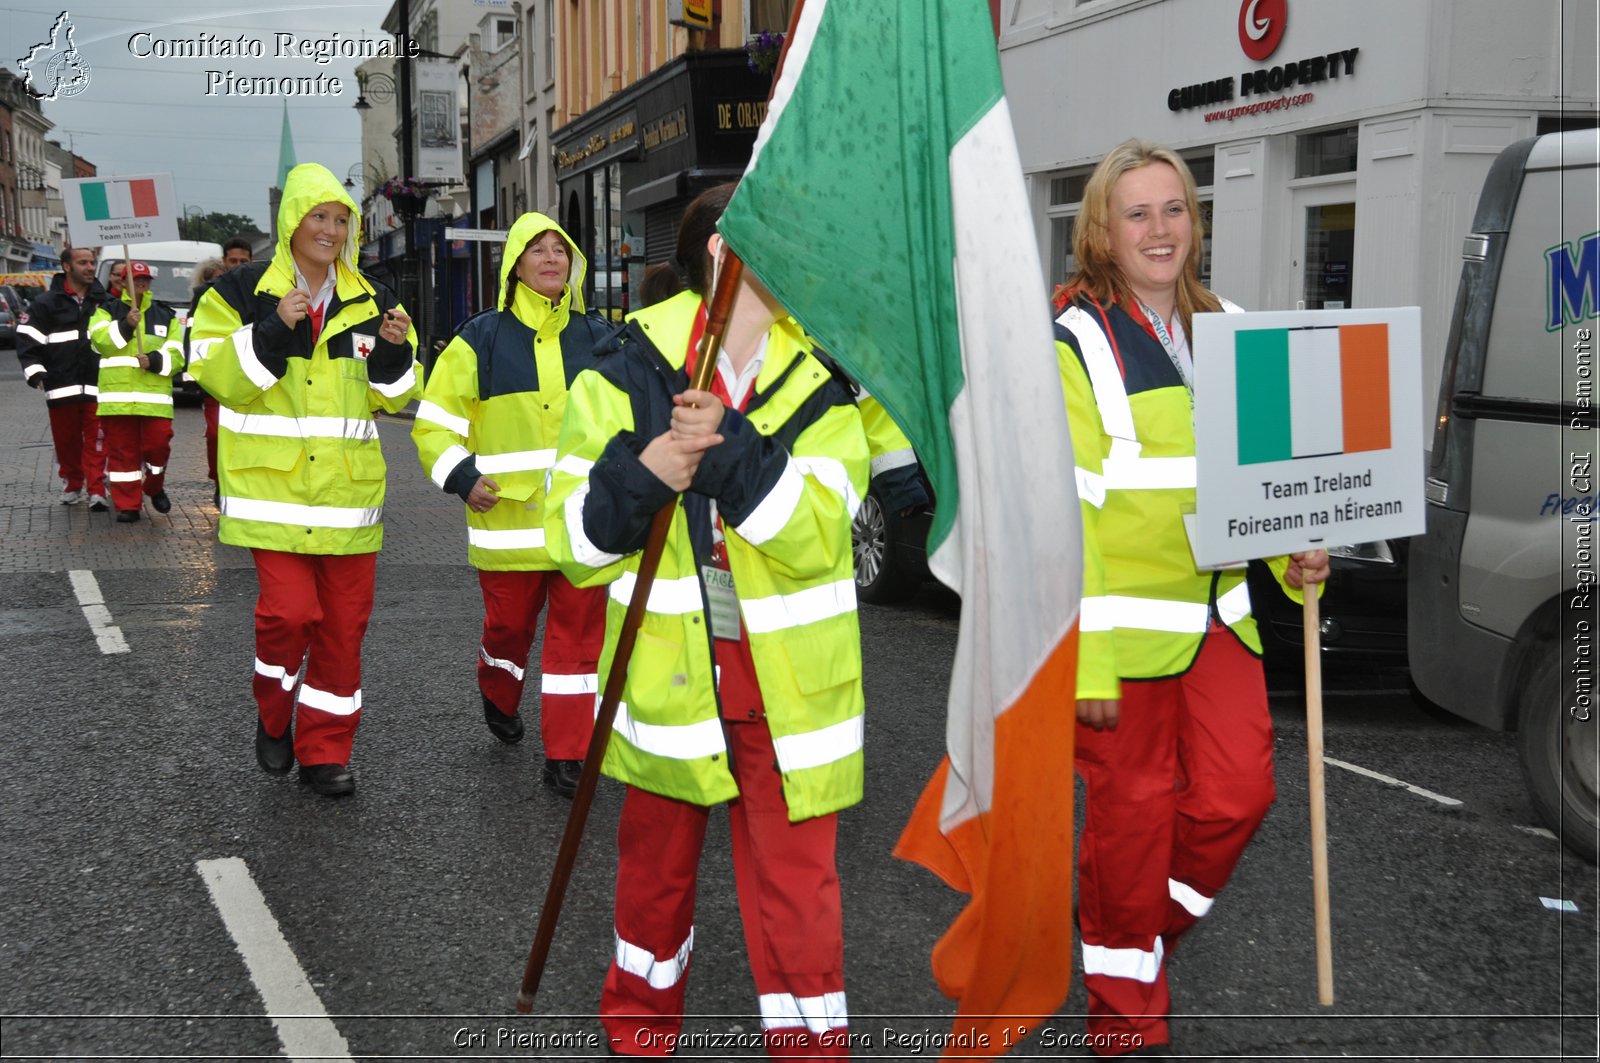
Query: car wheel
x,y
1559,757
878,578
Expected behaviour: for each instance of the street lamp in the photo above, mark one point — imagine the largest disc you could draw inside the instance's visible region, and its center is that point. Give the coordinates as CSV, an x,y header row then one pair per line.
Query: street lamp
x,y
382,86
357,175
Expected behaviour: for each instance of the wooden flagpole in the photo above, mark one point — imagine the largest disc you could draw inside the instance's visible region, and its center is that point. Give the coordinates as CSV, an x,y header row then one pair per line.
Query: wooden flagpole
x,y
127,286
1319,811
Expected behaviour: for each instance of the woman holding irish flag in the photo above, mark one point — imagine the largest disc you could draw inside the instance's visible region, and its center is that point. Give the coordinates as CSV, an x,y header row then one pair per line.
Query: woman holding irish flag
x,y
1174,740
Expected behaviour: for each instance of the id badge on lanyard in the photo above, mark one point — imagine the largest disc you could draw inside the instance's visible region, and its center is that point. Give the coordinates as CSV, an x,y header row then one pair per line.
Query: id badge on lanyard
x,y
1164,334
723,600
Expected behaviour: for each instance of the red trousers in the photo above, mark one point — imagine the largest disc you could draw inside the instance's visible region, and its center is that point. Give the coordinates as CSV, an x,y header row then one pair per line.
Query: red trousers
x,y
80,451
312,611
788,885
137,449
211,407
574,632
1174,795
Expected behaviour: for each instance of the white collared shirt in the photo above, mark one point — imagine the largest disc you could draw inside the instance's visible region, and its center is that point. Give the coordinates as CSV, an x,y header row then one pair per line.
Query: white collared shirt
x,y
738,385
321,297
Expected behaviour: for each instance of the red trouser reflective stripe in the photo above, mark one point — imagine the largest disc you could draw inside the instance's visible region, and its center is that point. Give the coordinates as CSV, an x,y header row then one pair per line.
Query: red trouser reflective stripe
x,y
133,443
788,885
1174,795
574,632
313,608
80,451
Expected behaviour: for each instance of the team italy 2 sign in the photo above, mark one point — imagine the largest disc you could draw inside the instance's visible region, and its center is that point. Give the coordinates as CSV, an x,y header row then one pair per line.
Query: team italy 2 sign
x,y
134,209
1308,430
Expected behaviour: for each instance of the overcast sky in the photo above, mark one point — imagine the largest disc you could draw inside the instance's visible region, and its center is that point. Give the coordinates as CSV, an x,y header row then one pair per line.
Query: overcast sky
x,y
152,115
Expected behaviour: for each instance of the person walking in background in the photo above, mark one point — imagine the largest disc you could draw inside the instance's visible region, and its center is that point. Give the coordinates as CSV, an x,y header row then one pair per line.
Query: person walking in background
x,y
140,352
486,432
745,682
206,271
58,359
299,351
1170,685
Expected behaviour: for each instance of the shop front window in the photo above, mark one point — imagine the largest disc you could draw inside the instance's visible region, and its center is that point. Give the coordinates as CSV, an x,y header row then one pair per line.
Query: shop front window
x,y
1328,151
607,281
1330,256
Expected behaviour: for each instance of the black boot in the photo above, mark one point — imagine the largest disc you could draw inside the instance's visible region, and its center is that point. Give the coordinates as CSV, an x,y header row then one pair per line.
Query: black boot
x,y
508,729
329,780
275,755
160,502
562,776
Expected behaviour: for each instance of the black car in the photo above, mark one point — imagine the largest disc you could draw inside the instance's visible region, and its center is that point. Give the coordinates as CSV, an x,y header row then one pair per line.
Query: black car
x,y
891,541
1362,611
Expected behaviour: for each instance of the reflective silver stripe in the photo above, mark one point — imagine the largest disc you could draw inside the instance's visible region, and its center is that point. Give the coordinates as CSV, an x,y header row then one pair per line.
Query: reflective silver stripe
x,y
155,470
823,746
517,461
272,424
573,465
894,459
817,1014
569,684
667,596
780,611
1137,964
432,411
198,349
52,337
584,552
284,677
830,472
1110,393
305,516
75,389
775,508
97,327
500,663
149,397
1091,486
1148,474
1148,614
1235,605
506,538
119,362
407,381
32,333
244,345
660,974
1193,901
313,698
674,741
125,477
452,456
31,371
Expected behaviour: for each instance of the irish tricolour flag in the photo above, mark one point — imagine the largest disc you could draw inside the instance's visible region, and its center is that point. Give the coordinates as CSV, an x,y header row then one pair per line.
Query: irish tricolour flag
x,y
884,206
116,200
1311,392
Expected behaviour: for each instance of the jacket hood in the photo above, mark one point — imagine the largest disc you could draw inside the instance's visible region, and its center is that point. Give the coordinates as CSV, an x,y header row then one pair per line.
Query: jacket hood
x,y
523,232
307,186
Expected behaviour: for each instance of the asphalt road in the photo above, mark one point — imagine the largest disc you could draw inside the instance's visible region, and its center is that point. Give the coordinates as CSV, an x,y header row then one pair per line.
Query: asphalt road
x,y
160,896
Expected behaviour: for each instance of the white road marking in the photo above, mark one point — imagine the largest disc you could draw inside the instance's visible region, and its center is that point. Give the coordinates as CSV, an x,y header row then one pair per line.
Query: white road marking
x,y
107,634
1538,832
293,1006
1558,905
1391,780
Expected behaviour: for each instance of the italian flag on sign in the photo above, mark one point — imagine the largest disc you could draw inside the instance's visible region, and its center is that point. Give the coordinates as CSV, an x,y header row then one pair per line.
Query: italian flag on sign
x,y
116,200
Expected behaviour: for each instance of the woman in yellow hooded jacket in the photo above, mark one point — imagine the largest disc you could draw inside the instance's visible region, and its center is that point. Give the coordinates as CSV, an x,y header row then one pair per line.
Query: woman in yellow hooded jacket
x,y
486,431
300,351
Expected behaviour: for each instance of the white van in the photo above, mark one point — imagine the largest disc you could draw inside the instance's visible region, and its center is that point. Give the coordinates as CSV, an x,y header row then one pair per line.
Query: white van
x,y
1504,611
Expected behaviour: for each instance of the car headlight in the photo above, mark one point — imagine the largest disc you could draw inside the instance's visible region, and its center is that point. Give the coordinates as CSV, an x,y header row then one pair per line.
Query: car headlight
x,y
1378,553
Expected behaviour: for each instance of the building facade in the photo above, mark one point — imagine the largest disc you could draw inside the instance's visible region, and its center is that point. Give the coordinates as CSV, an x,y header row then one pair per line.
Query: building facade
x,y
1340,148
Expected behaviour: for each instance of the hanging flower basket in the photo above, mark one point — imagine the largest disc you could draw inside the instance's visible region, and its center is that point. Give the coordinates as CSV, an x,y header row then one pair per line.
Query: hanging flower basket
x,y
407,195
763,50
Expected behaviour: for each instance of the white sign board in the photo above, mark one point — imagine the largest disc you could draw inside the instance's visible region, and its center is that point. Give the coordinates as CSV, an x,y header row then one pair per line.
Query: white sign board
x,y
478,235
132,209
1306,430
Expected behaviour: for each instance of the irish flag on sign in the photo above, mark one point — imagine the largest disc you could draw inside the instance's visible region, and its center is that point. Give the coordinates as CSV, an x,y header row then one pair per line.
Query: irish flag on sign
x,y
115,200
1311,392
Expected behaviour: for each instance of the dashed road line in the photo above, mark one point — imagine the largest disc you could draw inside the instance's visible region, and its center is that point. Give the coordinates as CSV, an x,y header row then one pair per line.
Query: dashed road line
x,y
1391,780
296,1011
107,634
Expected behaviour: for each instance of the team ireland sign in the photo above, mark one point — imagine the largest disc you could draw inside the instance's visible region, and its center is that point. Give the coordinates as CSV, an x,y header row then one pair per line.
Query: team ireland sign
x,y
1308,430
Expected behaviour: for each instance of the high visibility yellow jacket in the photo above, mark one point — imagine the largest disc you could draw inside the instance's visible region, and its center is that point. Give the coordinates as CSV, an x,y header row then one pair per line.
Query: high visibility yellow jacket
x,y
1146,607
493,402
124,387
787,482
298,455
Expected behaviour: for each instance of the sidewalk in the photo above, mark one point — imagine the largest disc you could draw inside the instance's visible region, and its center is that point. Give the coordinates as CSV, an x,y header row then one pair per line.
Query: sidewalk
x,y
39,534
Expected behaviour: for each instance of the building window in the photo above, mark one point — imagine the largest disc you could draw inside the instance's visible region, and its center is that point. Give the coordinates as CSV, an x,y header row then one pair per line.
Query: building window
x,y
1566,121
502,33
1330,151
767,15
550,40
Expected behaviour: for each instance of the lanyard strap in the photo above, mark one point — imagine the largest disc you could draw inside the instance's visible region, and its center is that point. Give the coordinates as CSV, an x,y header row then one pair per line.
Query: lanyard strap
x,y
1167,344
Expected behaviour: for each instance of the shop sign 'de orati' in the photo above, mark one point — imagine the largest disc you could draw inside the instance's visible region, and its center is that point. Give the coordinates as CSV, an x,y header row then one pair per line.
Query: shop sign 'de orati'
x,y
1261,26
